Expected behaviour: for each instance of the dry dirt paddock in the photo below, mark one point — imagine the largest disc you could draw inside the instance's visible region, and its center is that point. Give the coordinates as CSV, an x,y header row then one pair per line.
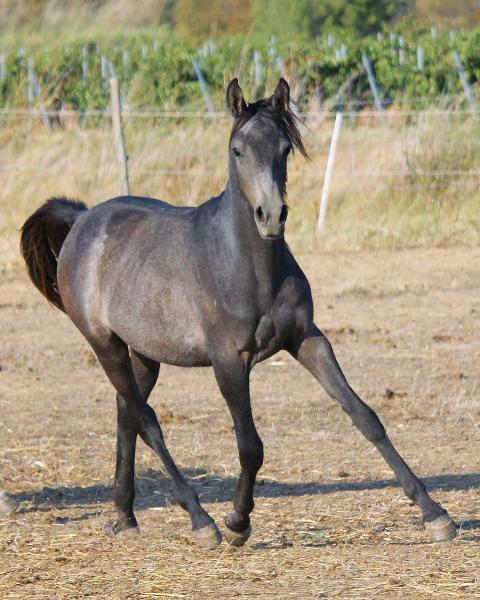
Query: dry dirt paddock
x,y
329,522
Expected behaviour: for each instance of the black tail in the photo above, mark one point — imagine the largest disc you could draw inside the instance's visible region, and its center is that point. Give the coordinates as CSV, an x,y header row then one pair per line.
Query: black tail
x,y
43,234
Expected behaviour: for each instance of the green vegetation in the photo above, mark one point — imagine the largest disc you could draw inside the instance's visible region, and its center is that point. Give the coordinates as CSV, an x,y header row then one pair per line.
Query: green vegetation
x,y
316,44
308,19
155,67
224,17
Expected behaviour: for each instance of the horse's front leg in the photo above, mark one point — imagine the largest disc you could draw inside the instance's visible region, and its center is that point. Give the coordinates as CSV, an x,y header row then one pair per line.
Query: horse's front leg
x,y
233,380
316,354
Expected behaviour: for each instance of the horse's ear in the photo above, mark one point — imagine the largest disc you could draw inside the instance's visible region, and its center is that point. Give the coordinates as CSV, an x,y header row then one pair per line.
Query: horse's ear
x,y
235,101
281,97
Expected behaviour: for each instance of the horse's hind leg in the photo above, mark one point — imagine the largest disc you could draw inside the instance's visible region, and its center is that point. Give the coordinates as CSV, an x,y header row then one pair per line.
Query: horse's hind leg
x,y
316,354
146,375
114,357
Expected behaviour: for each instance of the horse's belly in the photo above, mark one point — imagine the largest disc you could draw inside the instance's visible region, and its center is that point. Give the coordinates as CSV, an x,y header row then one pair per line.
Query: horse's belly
x,y
181,350
173,336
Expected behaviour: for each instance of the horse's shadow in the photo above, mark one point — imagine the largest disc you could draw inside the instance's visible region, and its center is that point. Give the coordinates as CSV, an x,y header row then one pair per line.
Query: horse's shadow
x,y
154,490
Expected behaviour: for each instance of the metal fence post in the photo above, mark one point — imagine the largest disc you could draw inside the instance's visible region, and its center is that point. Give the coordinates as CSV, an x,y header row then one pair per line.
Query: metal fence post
x,y
203,87
322,214
373,86
463,78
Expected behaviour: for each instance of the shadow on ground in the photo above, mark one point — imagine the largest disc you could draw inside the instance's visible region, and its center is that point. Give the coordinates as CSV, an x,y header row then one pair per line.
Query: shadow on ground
x,y
154,490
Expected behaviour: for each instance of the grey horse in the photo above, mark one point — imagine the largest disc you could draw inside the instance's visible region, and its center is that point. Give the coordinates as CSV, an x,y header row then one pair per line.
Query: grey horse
x,y
216,285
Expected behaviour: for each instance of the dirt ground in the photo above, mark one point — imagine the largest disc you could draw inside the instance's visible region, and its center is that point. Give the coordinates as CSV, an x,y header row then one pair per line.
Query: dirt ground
x,y
329,522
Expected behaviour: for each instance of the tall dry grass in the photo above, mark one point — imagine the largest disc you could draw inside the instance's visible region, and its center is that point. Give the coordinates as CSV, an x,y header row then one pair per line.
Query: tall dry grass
x,y
415,182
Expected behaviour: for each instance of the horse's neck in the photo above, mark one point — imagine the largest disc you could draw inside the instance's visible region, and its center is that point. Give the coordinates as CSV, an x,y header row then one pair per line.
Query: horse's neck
x,y
250,251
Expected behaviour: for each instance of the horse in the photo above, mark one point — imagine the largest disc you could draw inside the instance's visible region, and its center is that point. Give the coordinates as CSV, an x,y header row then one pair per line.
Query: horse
x,y
215,285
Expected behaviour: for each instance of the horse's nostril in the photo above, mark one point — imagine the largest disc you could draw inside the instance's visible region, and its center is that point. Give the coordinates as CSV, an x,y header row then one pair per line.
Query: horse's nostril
x,y
261,217
284,213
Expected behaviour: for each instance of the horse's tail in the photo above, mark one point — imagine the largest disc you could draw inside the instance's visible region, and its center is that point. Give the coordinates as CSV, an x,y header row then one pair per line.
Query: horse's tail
x,y
43,234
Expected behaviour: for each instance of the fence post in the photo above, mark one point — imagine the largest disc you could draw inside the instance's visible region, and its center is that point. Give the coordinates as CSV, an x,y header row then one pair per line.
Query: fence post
x,y
33,89
402,56
463,78
203,87
373,86
118,135
329,171
420,58
85,65
257,61
103,67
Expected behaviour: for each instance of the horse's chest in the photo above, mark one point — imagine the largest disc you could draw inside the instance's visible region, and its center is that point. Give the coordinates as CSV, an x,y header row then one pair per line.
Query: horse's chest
x,y
262,324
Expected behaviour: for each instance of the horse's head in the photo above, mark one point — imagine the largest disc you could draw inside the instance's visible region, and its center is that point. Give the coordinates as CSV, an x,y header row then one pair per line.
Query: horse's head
x,y
263,135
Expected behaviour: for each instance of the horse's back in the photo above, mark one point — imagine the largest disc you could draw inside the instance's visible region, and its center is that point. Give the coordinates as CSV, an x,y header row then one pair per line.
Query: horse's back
x,y
118,220
119,234
142,203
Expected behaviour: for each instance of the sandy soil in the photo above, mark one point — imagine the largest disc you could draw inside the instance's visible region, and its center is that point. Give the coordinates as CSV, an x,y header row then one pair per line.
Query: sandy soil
x,y
329,522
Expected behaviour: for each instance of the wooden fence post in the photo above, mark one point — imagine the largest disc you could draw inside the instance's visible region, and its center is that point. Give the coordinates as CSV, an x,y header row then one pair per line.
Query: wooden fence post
x,y
329,171
118,135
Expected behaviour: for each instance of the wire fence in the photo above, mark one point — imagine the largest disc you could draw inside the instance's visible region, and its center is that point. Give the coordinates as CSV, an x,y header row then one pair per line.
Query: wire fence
x,y
423,152
200,114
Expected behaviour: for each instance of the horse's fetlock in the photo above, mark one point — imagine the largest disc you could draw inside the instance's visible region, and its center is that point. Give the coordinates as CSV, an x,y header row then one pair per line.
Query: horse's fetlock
x,y
414,489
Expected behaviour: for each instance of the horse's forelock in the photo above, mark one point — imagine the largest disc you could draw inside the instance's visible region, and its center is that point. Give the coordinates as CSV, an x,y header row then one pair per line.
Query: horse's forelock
x,y
288,122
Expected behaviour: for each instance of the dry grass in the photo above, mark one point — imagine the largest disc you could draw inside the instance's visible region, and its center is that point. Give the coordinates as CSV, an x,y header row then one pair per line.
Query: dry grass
x,y
381,196
329,521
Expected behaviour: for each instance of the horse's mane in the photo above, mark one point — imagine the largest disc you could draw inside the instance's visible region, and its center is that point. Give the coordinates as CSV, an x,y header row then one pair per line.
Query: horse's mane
x,y
287,121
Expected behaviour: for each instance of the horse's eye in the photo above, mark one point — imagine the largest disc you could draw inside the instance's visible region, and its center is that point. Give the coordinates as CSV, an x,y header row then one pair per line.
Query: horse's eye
x,y
237,152
287,151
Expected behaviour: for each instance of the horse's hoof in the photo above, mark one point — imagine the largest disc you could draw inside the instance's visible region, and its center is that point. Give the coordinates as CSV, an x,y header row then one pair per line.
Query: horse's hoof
x,y
115,530
208,537
442,529
236,538
7,505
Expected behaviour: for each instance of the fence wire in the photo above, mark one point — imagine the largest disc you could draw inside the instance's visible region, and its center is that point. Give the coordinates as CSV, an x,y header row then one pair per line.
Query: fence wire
x,y
418,148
